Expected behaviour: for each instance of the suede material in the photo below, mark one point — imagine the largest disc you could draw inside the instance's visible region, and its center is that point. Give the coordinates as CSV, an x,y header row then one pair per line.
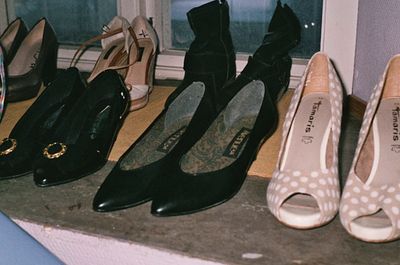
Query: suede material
x,y
88,132
39,122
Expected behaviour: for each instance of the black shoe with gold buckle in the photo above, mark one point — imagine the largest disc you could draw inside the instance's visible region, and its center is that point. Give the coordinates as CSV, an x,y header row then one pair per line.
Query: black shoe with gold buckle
x,y
81,143
38,123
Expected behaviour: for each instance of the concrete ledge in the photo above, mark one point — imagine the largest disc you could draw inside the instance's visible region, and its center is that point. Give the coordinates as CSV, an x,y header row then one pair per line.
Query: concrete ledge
x,y
241,231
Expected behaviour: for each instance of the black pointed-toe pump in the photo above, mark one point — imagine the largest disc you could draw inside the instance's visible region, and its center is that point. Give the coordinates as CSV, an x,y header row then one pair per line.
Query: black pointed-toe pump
x,y
81,143
37,124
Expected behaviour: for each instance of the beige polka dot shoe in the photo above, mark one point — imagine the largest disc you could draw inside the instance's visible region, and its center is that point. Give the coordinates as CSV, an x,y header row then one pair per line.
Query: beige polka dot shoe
x,y
304,190
370,205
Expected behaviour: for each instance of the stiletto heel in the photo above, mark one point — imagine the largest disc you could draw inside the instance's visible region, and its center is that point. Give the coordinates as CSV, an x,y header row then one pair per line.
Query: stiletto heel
x,y
50,66
38,123
81,143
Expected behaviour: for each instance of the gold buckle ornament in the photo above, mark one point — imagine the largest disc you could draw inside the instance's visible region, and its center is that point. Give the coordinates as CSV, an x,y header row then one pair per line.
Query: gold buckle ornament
x,y
12,144
54,150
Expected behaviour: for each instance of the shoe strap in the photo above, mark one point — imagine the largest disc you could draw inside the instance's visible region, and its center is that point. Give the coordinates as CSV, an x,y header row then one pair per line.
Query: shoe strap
x,y
3,88
105,35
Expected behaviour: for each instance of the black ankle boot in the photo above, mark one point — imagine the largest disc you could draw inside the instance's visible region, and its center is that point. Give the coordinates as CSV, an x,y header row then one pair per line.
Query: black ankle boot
x,y
211,56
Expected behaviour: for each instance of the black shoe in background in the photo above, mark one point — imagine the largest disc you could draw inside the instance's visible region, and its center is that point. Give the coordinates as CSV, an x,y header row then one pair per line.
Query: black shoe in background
x,y
34,63
12,37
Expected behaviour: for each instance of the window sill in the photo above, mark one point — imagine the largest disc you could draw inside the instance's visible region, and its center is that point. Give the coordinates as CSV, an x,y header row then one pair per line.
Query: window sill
x,y
169,63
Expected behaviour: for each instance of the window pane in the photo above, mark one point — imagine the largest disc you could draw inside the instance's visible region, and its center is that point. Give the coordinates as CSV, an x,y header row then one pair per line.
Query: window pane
x,y
74,21
249,21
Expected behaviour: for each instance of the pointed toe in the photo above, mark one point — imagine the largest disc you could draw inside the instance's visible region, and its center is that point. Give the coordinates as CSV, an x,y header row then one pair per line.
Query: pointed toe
x,y
123,189
103,204
107,201
48,175
40,178
161,208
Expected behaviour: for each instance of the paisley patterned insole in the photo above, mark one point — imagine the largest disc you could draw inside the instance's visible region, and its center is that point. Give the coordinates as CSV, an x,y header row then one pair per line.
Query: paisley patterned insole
x,y
155,145
226,138
219,147
166,132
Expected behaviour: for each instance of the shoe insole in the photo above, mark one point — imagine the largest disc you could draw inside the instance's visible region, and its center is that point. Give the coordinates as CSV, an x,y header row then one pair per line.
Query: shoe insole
x,y
306,149
166,132
225,139
372,227
28,53
9,36
308,136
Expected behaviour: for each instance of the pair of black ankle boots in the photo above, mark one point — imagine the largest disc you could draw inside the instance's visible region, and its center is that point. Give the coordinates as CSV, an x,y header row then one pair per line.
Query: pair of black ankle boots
x,y
196,153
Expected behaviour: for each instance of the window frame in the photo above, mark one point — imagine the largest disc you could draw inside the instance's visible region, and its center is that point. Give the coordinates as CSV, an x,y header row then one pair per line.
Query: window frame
x,y
170,62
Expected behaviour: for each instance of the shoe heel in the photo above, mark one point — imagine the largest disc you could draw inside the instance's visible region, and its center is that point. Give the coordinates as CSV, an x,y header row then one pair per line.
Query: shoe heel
x,y
50,66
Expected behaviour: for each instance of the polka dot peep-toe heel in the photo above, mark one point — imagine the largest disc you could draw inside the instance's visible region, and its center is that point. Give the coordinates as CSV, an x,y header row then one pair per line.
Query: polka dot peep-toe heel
x,y
304,190
370,205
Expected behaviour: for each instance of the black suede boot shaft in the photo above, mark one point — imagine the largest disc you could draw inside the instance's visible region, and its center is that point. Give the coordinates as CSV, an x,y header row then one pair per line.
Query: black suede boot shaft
x,y
211,56
271,62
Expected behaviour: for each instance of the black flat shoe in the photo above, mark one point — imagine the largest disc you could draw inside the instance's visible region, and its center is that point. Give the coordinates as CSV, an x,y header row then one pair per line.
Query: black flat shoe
x,y
209,64
215,167
81,143
34,63
12,37
37,124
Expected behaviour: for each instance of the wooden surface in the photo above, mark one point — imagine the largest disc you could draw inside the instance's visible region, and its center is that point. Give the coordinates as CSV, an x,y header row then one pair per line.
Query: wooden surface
x,y
136,122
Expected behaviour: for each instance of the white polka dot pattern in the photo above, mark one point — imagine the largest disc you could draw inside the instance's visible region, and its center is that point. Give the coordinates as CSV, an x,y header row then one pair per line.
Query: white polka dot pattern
x,y
368,201
360,199
322,184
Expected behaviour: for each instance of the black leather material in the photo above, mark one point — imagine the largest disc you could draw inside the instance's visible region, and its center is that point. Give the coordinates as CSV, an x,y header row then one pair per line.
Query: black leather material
x,y
127,188
184,193
20,34
39,121
210,60
88,132
27,85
